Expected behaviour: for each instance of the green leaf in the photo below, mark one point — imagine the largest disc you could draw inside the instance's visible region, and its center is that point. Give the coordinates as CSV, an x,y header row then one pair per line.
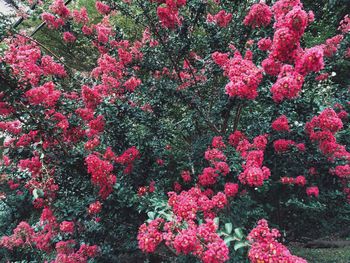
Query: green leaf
x,y
239,245
37,193
151,215
228,228
239,233
228,240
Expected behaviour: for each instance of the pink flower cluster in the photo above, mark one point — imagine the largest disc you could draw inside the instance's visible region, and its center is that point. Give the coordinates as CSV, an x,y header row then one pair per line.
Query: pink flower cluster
x,y
201,240
22,236
231,189
67,227
102,8
28,64
342,171
45,95
113,72
259,15
222,19
127,159
254,173
26,236
95,208
266,248
344,25
299,180
66,254
142,190
288,84
149,236
186,176
169,14
59,8
282,145
281,124
312,191
187,204
264,44
332,44
290,23
12,127
101,174
322,128
311,60
244,76
69,37
52,21
217,159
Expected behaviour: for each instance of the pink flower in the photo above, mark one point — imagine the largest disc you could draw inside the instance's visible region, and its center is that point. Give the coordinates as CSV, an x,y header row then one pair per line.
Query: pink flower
x,y
160,162
265,247
231,189
95,208
310,61
217,142
186,176
142,191
301,147
342,171
254,176
45,95
271,66
312,191
282,145
332,44
264,44
51,21
186,241
80,16
221,18
101,176
287,180
132,83
344,25
102,8
169,17
67,227
177,187
149,236
300,180
288,85
258,15
281,124
69,37
244,77
235,138
58,7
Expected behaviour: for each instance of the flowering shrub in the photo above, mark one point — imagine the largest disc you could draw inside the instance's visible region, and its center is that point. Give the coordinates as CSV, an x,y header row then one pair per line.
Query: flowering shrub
x,y
171,126
265,247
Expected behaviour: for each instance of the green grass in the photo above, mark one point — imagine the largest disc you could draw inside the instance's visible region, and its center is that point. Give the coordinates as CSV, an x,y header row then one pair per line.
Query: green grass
x,y
323,255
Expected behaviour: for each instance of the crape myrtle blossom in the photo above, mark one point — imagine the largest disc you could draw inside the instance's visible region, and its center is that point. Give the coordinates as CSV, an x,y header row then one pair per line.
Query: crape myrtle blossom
x,y
66,127
244,76
266,248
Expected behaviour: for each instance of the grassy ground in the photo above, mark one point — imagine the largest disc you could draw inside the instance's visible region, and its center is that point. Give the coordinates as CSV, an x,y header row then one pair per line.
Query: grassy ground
x,y
323,255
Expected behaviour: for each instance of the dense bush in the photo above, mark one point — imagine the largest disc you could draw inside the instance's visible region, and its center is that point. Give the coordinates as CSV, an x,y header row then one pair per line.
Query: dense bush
x,y
173,130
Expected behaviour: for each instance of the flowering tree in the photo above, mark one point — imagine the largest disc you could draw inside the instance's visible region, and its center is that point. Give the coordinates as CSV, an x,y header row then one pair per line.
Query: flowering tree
x,y
92,151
